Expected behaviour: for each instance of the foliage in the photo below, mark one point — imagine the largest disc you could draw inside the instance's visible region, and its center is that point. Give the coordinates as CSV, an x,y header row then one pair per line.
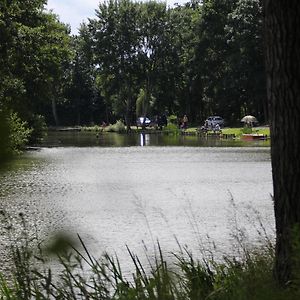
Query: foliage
x,y
38,126
81,276
117,127
4,136
34,50
246,57
171,128
141,102
144,103
14,134
200,58
83,104
172,119
19,133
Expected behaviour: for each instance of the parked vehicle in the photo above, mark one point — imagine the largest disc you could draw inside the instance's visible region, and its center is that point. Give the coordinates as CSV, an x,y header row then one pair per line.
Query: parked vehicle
x,y
140,122
212,121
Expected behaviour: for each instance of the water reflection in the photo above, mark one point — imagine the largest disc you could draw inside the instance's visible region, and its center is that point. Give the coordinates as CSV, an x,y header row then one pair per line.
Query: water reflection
x,y
144,139
91,139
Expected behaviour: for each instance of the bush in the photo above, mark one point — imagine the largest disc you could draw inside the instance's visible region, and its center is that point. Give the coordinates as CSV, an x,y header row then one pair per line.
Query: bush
x,y
39,128
118,127
19,133
171,128
172,119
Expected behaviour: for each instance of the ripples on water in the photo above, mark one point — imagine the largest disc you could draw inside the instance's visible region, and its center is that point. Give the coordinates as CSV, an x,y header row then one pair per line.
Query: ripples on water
x,y
127,195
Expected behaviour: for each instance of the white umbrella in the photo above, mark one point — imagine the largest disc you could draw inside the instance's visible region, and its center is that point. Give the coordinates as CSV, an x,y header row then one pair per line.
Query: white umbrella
x,y
249,119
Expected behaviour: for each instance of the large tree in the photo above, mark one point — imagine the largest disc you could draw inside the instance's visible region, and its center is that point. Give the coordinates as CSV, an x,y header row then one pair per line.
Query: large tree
x,y
245,74
212,53
116,46
34,47
200,58
282,23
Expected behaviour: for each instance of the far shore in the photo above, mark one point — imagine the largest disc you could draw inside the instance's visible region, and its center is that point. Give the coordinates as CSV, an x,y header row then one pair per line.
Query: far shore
x,y
235,132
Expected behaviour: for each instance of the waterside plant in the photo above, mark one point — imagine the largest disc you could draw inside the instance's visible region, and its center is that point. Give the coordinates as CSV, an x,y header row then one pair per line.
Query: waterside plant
x,y
81,276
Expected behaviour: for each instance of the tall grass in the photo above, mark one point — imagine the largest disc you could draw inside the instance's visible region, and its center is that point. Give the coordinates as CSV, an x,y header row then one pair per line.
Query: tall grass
x,y
82,276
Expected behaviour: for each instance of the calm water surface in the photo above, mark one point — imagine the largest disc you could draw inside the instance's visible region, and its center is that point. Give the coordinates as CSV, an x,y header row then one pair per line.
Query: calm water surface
x,y
114,195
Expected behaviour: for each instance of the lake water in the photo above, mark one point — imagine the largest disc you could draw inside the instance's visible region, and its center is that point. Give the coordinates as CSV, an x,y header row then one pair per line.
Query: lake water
x,y
117,193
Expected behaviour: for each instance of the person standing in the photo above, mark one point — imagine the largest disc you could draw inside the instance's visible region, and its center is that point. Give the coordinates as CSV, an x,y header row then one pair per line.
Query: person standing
x,y
185,122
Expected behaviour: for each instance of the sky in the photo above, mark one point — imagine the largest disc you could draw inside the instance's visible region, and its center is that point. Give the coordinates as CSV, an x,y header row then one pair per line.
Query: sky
x,y
73,12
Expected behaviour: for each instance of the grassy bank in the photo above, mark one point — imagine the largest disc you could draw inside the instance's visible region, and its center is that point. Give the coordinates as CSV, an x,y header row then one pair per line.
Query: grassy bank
x,y
187,278
240,130
236,131
184,278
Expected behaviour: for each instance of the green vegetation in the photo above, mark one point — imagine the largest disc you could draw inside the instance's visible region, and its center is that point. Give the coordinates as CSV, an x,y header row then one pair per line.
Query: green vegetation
x,y
92,128
14,134
117,127
35,51
131,58
240,130
38,127
171,128
19,132
184,277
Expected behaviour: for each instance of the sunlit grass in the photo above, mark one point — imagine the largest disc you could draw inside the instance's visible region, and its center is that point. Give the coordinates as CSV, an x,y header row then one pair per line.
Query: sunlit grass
x,y
238,131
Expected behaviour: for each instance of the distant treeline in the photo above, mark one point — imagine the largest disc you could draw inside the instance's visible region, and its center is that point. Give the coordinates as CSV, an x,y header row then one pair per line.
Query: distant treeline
x,y
133,59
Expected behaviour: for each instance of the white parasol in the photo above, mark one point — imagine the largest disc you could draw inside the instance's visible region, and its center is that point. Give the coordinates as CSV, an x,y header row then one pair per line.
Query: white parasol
x,y
249,119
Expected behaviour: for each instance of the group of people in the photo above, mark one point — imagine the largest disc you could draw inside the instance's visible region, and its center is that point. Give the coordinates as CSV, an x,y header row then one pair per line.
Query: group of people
x,y
161,121
214,127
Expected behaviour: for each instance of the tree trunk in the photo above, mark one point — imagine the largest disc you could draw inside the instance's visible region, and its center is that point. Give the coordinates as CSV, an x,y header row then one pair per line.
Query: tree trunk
x,y
127,116
54,111
282,29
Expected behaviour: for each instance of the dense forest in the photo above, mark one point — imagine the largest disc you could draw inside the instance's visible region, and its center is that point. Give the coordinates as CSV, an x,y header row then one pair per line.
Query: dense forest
x,y
131,59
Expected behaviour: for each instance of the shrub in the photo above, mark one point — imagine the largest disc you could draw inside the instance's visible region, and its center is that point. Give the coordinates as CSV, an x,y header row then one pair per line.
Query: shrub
x,y
117,127
18,133
171,128
39,128
172,119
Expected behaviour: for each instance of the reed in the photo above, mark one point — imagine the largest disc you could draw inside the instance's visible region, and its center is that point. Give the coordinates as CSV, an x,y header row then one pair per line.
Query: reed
x,y
82,276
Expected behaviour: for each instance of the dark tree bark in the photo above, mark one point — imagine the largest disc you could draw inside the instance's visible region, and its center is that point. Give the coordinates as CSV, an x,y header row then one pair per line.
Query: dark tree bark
x,y
282,28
